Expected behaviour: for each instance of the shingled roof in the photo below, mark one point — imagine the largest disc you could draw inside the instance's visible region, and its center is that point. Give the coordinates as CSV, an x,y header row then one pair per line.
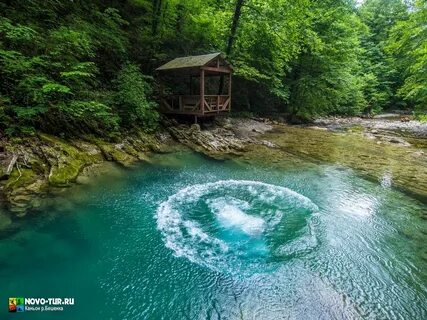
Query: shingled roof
x,y
189,62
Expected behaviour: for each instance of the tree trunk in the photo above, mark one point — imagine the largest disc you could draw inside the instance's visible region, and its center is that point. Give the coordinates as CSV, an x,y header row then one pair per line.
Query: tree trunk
x,y
231,37
295,76
157,6
234,25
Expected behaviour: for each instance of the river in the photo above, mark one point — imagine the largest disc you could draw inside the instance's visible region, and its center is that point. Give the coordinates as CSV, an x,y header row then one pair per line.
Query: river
x,y
257,237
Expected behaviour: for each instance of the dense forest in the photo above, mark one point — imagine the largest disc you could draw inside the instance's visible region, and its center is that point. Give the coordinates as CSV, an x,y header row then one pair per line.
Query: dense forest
x,y
70,67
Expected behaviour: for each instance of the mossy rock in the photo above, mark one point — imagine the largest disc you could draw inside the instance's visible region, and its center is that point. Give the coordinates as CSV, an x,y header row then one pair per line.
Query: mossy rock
x,y
152,143
64,174
115,152
67,159
76,150
129,149
122,157
5,221
21,178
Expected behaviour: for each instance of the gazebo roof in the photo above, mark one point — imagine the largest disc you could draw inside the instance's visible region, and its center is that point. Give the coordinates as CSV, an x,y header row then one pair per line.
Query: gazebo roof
x,y
191,62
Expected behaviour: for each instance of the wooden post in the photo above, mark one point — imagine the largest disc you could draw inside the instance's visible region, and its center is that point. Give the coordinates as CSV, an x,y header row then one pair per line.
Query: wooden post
x,y
229,91
202,91
181,107
162,89
217,104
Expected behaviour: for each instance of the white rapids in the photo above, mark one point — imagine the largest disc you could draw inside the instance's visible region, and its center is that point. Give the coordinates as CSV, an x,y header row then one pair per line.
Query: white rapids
x,y
232,224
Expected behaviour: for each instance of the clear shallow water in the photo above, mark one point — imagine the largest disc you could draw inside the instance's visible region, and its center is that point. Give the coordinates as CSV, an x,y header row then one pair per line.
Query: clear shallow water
x,y
245,242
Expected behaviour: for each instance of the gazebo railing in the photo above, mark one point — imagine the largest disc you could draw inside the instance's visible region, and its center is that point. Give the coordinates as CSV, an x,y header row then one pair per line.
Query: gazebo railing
x,y
191,104
216,103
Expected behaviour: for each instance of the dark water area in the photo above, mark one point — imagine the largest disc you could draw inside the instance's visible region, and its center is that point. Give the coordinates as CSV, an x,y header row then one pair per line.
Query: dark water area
x,y
193,238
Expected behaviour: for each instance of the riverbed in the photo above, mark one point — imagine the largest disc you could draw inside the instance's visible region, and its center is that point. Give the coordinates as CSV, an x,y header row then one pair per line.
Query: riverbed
x,y
279,232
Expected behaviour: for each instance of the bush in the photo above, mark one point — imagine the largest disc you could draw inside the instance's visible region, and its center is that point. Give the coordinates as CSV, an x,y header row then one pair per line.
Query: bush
x,y
133,98
421,116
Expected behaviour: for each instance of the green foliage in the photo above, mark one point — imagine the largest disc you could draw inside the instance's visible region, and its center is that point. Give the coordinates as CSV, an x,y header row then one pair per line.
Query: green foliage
x,y
16,34
409,46
133,98
421,116
326,77
269,38
375,98
68,67
384,74
68,44
51,68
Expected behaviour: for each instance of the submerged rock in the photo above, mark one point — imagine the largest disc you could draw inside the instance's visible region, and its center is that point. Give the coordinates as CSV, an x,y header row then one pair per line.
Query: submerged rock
x,y
5,221
395,140
23,189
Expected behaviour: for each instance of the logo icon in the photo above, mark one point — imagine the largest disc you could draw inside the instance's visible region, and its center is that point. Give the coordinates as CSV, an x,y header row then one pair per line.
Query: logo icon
x,y
12,304
16,304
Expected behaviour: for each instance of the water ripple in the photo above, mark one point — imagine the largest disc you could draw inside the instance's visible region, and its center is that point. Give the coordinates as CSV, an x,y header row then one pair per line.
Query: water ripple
x,y
238,225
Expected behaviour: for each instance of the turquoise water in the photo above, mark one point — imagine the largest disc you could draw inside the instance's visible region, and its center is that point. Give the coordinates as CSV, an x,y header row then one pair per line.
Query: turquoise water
x,y
193,238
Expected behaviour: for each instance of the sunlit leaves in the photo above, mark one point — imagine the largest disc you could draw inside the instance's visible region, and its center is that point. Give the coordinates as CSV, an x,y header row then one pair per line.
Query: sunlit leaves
x,y
66,41
55,88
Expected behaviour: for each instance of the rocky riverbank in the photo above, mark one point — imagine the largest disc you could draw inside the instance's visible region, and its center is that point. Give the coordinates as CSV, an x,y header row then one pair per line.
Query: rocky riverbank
x,y
33,168
394,124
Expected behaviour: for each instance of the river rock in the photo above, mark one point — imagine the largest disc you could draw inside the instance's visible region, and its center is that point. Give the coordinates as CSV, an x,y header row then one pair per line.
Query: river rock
x,y
67,160
216,142
318,128
268,143
418,153
116,152
396,140
5,221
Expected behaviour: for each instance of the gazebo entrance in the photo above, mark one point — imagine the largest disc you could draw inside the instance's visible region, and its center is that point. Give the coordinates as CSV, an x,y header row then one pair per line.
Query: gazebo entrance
x,y
202,76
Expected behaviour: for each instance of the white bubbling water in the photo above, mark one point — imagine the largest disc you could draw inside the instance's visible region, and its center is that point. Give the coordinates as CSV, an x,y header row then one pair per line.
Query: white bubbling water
x,y
225,224
386,180
230,213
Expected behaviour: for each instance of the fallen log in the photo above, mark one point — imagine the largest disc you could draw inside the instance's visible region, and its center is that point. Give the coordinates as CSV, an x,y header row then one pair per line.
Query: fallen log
x,y
6,173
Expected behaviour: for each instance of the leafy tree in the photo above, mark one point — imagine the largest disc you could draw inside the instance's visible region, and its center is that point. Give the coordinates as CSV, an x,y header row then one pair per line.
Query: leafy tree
x,y
84,66
408,44
133,98
326,77
383,75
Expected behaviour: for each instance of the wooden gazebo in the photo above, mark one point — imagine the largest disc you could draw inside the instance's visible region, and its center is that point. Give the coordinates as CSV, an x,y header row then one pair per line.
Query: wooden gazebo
x,y
209,72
